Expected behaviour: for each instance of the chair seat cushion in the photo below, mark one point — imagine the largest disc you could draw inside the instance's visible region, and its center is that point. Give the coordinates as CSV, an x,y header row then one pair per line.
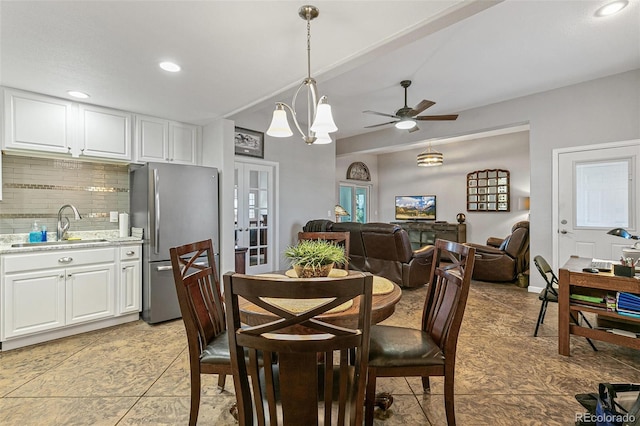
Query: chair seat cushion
x,y
217,351
549,295
398,347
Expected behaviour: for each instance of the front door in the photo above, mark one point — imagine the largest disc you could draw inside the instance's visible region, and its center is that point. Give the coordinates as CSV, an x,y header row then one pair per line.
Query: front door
x,y
597,192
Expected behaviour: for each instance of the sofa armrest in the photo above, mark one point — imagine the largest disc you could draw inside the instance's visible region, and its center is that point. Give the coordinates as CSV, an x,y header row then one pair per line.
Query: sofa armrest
x,y
494,241
424,251
480,249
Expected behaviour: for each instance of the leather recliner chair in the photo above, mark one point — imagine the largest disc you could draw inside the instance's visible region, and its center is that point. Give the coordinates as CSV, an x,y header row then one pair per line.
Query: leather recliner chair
x,y
503,259
382,249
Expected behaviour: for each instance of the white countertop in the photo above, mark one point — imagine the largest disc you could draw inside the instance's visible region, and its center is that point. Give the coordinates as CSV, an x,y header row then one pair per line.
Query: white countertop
x,y
111,239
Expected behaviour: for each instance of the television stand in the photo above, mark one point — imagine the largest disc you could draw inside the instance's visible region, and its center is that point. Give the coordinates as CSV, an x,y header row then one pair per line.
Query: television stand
x,y
422,232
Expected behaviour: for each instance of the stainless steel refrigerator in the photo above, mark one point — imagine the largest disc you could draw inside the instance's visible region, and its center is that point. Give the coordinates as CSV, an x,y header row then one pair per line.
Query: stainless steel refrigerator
x,y
175,205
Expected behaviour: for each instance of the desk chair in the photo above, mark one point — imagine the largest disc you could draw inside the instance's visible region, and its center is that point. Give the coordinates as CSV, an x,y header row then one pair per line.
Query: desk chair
x,y
314,380
198,290
550,294
340,238
431,349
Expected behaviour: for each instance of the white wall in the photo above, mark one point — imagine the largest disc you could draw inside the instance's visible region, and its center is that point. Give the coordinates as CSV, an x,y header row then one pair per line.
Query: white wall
x,y
399,175
597,111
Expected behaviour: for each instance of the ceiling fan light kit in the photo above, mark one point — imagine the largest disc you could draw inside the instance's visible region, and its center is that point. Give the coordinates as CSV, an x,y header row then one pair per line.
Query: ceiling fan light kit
x,y
406,118
319,116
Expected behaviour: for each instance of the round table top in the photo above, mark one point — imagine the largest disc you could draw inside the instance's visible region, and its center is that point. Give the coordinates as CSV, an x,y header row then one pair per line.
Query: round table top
x,y
382,307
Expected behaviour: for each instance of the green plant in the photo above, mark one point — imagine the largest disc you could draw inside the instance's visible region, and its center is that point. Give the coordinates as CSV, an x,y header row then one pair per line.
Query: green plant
x,y
315,253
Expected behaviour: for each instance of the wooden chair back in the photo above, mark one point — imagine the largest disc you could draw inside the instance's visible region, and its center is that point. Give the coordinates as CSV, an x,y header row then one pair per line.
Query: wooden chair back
x,y
340,238
447,294
202,309
310,378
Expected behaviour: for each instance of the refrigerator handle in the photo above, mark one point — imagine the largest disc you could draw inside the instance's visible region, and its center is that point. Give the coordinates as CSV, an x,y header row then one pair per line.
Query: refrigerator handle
x,y
156,207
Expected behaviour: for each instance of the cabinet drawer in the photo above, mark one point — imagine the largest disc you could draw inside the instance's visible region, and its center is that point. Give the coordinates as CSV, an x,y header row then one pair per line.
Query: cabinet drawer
x,y
130,252
54,259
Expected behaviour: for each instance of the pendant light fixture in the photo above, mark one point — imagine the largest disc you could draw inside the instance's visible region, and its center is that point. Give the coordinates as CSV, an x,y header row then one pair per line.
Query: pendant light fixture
x,y
430,158
319,117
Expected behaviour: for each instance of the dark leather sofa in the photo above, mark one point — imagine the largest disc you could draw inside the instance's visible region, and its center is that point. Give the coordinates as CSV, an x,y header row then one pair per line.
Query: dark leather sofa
x,y
382,249
503,259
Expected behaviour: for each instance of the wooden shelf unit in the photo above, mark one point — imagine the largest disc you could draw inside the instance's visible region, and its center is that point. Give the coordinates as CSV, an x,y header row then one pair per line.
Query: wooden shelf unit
x,y
423,233
573,279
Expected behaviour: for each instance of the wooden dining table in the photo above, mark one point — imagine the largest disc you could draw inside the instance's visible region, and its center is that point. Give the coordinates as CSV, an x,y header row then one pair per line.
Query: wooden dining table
x,y
382,306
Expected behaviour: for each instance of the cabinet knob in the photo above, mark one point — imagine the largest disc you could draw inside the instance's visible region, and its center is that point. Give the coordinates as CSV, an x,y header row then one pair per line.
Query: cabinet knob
x,y
61,276
69,275
131,253
65,259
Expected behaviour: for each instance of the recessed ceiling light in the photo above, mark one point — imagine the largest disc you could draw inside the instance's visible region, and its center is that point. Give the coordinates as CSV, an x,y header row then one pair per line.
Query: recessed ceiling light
x,y
170,66
612,8
77,94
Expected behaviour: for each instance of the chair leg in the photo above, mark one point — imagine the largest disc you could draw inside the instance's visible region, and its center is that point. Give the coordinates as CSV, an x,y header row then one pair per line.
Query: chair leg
x,y
221,381
448,400
543,311
426,386
370,398
195,398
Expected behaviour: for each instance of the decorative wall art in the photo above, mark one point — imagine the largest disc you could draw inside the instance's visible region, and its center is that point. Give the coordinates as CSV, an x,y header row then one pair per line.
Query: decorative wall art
x,y
249,142
488,191
358,171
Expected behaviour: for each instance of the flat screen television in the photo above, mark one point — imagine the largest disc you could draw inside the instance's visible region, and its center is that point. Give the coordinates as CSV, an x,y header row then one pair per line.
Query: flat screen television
x,y
416,207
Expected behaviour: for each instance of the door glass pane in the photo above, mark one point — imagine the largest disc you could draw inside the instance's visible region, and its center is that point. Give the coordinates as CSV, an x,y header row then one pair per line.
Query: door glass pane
x,y
603,194
361,204
346,201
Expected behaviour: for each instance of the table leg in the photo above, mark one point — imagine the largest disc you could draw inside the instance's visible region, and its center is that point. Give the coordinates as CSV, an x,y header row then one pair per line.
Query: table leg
x,y
563,313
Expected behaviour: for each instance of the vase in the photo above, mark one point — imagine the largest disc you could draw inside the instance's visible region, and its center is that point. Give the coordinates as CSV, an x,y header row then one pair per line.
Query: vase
x,y
313,272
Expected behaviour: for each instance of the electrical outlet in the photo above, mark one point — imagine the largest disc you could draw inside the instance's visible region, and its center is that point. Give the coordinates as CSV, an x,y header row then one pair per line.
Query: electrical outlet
x,y
113,217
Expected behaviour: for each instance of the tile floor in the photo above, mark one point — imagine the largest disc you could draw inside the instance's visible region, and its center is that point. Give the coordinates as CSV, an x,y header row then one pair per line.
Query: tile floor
x,y
138,374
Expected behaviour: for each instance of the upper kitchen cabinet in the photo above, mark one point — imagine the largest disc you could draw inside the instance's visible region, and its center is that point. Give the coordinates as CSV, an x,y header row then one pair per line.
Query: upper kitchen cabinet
x,y
37,123
104,133
163,141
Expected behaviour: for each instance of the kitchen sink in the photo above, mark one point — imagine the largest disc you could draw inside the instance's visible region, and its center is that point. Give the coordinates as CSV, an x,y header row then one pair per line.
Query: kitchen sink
x,y
54,243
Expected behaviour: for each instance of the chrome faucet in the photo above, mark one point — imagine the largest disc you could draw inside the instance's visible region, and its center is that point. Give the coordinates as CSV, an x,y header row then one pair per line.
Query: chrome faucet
x,y
63,222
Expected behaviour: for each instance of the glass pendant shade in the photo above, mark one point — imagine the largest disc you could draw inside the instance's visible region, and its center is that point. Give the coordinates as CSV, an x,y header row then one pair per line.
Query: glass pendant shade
x,y
279,127
322,139
324,119
405,124
430,158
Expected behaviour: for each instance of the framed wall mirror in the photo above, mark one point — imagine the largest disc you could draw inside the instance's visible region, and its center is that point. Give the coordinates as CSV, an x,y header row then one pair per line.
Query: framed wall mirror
x,y
488,191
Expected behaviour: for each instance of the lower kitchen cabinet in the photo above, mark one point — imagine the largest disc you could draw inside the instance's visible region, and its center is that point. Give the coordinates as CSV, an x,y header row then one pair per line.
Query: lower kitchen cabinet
x,y
50,294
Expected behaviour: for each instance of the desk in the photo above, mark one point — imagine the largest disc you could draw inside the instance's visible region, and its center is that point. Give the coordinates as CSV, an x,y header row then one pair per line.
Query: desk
x,y
572,277
382,306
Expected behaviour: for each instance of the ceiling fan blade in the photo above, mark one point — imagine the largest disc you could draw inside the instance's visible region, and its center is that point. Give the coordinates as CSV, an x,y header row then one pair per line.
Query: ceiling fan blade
x,y
437,117
424,104
381,124
414,129
381,113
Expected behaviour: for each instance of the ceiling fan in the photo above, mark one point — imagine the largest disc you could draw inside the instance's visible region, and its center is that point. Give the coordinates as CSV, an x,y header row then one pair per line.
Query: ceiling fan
x,y
406,117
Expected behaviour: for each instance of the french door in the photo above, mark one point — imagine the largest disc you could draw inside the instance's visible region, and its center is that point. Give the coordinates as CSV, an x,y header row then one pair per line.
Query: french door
x,y
254,214
355,200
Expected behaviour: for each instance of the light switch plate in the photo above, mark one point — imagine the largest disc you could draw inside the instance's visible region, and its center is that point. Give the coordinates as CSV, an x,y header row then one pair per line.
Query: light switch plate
x,y
113,217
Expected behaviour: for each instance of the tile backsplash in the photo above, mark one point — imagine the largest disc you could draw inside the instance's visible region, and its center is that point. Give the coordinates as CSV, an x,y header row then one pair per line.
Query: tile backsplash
x,y
34,189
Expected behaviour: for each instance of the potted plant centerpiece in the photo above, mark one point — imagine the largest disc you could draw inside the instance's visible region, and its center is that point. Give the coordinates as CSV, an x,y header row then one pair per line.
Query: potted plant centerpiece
x,y
314,258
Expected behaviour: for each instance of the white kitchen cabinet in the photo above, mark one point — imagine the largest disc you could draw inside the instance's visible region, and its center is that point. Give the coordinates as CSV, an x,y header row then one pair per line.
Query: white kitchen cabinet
x,y
38,123
130,286
89,292
33,302
164,141
54,293
104,133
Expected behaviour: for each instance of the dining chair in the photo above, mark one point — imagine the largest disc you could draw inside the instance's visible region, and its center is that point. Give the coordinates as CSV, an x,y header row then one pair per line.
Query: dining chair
x,y
340,238
550,294
198,289
311,377
431,349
